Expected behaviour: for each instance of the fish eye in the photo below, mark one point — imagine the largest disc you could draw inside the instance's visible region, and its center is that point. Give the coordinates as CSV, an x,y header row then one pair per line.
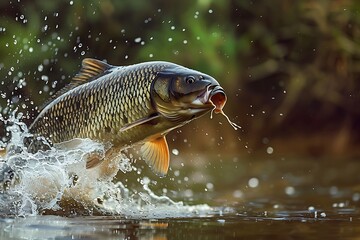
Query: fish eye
x,y
190,79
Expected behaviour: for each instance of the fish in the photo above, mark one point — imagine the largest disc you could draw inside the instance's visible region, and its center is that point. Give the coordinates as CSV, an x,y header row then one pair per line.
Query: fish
x,y
121,106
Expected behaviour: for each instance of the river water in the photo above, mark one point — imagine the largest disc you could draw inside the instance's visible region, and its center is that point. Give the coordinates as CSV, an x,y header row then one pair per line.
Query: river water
x,y
48,195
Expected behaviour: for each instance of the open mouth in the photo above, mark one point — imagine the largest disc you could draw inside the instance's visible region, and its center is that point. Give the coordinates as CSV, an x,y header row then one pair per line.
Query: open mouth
x,y
218,99
213,96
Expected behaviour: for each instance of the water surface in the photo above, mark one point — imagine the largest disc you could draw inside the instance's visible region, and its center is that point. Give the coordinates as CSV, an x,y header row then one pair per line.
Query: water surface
x,y
202,197
313,208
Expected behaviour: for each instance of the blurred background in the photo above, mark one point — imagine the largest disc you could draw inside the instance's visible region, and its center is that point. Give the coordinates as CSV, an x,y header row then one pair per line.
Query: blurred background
x,y
291,69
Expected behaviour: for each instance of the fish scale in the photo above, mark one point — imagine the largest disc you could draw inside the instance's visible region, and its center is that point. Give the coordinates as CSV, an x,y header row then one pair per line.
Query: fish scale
x,y
120,106
99,107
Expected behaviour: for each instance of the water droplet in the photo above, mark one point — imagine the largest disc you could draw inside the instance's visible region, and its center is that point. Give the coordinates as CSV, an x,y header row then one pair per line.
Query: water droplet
x,y
253,182
196,14
71,2
40,68
290,190
185,41
210,186
269,150
170,39
238,194
137,40
45,78
31,49
175,152
210,11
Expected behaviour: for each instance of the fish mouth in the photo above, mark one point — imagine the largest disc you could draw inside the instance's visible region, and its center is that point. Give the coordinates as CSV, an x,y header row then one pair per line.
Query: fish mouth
x,y
217,98
214,96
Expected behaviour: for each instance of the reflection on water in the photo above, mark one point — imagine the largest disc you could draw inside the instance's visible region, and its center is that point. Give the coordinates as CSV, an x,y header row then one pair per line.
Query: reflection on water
x,y
320,204
255,224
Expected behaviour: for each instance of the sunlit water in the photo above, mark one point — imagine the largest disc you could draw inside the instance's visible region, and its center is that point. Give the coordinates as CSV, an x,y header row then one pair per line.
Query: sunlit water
x,y
50,195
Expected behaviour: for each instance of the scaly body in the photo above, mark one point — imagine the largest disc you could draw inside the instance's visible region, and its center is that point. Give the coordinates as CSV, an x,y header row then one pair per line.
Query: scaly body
x,y
100,108
126,105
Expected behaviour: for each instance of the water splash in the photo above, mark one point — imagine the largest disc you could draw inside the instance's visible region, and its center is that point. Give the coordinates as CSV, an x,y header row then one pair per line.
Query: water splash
x,y
234,125
56,181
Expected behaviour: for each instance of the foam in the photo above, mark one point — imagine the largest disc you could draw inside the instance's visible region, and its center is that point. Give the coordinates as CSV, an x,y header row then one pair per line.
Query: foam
x,y
57,182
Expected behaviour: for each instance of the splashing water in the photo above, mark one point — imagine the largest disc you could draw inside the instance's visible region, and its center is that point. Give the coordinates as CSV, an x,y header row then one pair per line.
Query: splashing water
x,y
217,110
57,182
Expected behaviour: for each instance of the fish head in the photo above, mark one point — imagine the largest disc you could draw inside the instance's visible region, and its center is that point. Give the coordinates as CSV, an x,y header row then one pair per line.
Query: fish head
x,y
181,94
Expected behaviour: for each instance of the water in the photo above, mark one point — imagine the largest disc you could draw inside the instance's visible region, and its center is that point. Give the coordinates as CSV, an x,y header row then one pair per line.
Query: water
x,y
247,221
48,195
56,181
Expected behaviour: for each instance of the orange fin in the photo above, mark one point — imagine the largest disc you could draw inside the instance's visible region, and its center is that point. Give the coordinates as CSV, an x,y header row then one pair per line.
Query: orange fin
x,y
156,155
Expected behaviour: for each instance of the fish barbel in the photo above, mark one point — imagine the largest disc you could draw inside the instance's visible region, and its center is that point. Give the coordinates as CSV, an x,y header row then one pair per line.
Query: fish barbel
x,y
123,105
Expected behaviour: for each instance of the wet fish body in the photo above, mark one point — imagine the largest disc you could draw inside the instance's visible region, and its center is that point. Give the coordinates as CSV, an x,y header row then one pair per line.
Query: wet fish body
x,y
124,105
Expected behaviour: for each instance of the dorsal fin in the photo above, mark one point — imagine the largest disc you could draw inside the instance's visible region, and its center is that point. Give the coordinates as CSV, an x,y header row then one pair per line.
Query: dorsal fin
x,y
91,69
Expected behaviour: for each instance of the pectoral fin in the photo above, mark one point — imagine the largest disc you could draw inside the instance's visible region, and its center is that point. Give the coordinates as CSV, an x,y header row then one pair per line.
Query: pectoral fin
x,y
156,155
139,122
